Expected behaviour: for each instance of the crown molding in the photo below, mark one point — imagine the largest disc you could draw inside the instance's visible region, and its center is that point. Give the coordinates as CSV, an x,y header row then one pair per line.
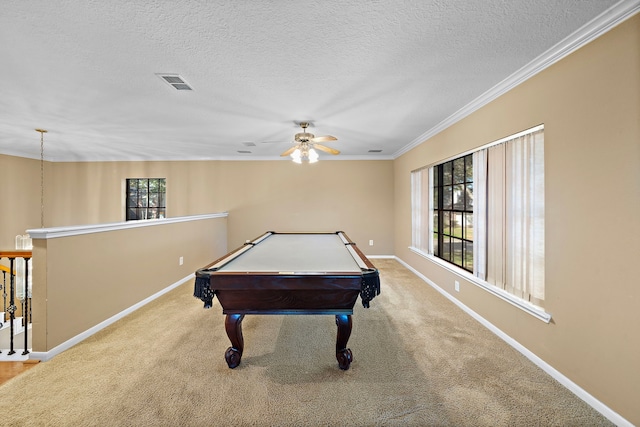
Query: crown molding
x,y
593,29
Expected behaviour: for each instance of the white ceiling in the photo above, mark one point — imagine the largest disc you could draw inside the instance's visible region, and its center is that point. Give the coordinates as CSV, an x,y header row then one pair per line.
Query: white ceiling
x,y
378,75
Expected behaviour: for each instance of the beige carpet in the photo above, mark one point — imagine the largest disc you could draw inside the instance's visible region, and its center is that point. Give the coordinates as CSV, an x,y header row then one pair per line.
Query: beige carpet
x,y
418,361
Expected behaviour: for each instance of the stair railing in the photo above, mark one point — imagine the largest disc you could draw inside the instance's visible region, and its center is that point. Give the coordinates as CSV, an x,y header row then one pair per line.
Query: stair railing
x,y
12,255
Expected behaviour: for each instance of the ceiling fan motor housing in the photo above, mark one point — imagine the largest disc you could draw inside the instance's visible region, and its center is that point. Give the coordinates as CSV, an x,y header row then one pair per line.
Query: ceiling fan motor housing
x,y
303,137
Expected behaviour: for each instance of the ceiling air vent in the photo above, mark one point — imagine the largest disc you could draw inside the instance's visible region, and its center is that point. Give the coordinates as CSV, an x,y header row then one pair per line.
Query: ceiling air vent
x,y
375,151
175,81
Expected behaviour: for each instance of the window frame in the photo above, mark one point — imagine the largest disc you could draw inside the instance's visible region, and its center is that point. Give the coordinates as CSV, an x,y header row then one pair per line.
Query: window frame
x,y
448,207
145,208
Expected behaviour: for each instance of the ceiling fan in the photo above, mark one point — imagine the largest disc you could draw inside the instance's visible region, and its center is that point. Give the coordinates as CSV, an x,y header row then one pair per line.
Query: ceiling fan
x,y
305,145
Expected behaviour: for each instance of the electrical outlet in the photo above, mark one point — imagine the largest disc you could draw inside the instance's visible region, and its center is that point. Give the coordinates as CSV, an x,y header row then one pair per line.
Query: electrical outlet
x,y
181,261
456,285
370,242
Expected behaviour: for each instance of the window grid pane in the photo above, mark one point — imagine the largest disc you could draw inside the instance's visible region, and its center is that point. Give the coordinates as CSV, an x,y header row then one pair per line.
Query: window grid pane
x,y
446,174
468,168
458,170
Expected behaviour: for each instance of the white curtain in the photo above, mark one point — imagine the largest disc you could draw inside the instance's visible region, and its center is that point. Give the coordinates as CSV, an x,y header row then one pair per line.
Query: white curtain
x,y
515,216
429,195
495,215
480,214
525,216
420,216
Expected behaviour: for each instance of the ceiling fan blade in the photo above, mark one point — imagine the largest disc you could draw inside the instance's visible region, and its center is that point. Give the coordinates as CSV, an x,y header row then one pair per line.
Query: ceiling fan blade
x,y
289,151
325,138
326,149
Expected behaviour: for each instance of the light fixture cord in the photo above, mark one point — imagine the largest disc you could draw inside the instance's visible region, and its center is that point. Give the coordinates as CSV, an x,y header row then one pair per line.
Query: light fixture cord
x,y
42,132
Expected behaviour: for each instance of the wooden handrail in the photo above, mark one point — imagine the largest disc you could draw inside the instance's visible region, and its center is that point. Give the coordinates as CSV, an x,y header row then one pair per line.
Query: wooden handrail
x,y
16,253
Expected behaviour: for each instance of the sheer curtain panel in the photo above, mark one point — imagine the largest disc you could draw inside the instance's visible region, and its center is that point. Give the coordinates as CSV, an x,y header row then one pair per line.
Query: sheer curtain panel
x,y
515,216
525,216
420,202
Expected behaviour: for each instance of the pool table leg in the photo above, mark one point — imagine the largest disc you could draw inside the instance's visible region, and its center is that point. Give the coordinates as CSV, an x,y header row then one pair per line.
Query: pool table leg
x,y
343,354
233,326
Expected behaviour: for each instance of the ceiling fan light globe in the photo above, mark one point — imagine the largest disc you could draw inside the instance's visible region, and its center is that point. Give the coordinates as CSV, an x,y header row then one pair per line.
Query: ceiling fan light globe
x,y
313,156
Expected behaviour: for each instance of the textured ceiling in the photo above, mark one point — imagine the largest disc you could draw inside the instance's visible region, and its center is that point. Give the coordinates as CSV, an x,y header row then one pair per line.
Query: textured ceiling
x,y
378,75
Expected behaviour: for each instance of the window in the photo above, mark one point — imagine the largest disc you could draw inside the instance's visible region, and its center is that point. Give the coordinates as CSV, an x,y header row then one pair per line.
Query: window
x,y
484,212
453,211
146,198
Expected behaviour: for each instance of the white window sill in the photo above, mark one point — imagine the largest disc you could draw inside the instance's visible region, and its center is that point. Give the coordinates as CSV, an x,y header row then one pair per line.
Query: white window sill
x,y
526,306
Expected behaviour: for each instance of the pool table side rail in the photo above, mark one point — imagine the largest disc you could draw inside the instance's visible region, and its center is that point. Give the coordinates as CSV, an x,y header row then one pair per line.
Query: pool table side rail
x,y
351,245
220,262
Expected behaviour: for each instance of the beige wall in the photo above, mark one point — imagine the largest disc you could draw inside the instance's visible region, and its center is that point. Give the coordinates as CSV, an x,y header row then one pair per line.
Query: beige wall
x,y
93,192
19,198
590,105
81,281
352,196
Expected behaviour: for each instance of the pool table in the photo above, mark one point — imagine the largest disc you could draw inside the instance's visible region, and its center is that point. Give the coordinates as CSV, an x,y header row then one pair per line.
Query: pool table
x,y
289,273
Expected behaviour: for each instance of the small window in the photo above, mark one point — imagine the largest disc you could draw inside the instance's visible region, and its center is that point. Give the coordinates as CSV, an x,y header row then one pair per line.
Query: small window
x,y
146,198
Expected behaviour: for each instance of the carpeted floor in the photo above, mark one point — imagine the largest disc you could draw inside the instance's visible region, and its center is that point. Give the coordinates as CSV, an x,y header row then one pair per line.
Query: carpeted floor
x,y
418,361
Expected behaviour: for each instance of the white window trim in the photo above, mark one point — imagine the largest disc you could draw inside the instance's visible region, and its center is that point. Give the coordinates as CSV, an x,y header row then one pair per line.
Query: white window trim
x,y
537,312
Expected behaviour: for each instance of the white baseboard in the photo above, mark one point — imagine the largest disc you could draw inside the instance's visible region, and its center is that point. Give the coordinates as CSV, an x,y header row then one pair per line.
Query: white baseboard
x,y
48,355
610,414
